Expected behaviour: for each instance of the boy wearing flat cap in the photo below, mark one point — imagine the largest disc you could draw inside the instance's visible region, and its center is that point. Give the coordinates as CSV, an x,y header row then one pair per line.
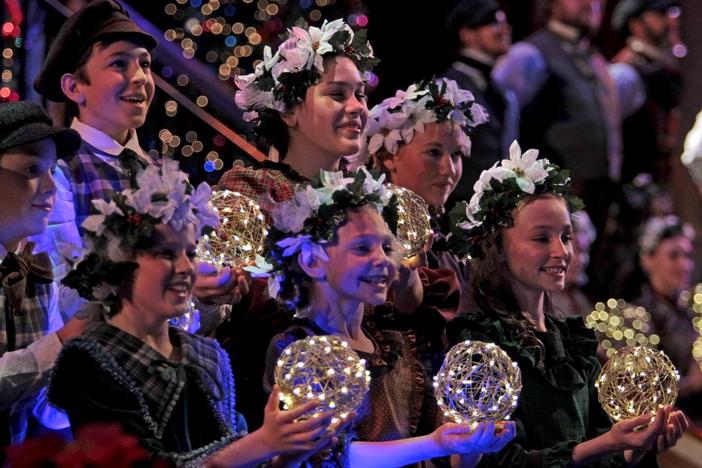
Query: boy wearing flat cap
x,y
31,327
100,64
650,86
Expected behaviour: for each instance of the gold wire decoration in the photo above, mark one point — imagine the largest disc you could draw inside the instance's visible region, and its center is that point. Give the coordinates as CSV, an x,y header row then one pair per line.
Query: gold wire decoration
x,y
693,300
619,324
636,381
241,232
413,223
323,369
477,382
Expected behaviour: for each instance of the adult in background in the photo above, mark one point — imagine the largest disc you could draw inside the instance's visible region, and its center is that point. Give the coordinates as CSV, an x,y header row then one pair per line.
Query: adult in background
x,y
567,99
649,83
483,35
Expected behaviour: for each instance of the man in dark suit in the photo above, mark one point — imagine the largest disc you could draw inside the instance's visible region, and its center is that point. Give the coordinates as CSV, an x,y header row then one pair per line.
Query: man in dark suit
x,y
480,27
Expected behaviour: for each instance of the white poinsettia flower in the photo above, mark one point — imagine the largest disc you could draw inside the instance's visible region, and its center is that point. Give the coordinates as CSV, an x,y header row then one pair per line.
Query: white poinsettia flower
x,y
458,117
334,180
96,222
454,94
290,217
304,246
371,185
249,97
274,285
464,143
479,115
391,141
200,200
407,134
527,170
115,250
269,59
260,269
295,58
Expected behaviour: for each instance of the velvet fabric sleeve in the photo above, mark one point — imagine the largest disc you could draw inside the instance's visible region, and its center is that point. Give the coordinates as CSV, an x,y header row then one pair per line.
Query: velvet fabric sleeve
x,y
88,394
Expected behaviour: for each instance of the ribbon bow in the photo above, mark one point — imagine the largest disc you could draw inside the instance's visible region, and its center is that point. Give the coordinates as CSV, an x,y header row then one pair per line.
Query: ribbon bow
x,y
16,268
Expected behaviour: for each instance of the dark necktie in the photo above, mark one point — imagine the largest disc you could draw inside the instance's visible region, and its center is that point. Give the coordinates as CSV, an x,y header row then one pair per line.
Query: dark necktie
x,y
133,163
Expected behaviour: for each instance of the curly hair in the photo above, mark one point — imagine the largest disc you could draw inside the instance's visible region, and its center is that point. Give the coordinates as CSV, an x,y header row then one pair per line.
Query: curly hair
x,y
493,292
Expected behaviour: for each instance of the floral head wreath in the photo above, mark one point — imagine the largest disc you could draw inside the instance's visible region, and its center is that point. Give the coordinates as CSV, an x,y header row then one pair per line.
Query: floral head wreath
x,y
498,192
303,224
162,195
396,119
280,81
659,228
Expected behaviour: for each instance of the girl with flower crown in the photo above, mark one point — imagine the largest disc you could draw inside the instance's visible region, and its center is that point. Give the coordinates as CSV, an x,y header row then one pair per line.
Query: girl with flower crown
x,y
517,229
418,138
331,254
170,388
309,105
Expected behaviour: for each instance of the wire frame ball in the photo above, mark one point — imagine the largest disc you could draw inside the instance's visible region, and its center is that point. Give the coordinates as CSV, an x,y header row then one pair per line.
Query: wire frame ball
x,y
636,381
323,369
241,232
413,223
477,382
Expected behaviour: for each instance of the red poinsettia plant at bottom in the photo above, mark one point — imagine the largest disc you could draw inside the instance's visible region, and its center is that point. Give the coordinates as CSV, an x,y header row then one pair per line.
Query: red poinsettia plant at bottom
x,y
98,445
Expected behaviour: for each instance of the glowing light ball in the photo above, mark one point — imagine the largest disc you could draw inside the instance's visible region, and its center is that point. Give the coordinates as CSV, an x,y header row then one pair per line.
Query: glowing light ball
x,y
477,382
636,381
619,324
240,235
413,226
323,369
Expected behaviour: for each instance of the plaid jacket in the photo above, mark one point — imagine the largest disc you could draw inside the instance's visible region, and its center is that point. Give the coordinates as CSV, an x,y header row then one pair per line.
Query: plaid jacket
x,y
150,386
266,184
25,369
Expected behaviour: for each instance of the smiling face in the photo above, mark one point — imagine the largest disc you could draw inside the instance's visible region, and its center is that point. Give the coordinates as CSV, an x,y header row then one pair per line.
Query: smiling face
x,y
670,265
361,263
118,91
27,190
163,282
431,164
538,248
330,120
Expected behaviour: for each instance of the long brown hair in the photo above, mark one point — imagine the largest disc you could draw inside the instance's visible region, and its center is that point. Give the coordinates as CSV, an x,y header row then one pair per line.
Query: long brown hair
x,y
493,293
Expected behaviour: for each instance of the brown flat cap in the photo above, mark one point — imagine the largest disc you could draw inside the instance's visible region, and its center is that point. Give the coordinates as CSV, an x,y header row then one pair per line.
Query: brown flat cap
x,y
96,21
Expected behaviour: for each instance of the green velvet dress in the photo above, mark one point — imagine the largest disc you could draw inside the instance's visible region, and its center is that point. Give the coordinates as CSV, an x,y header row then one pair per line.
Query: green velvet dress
x,y
558,406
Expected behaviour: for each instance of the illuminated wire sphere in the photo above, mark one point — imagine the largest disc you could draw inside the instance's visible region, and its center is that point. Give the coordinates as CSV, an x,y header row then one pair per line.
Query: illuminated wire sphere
x,y
323,369
241,232
477,382
636,381
619,324
413,226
